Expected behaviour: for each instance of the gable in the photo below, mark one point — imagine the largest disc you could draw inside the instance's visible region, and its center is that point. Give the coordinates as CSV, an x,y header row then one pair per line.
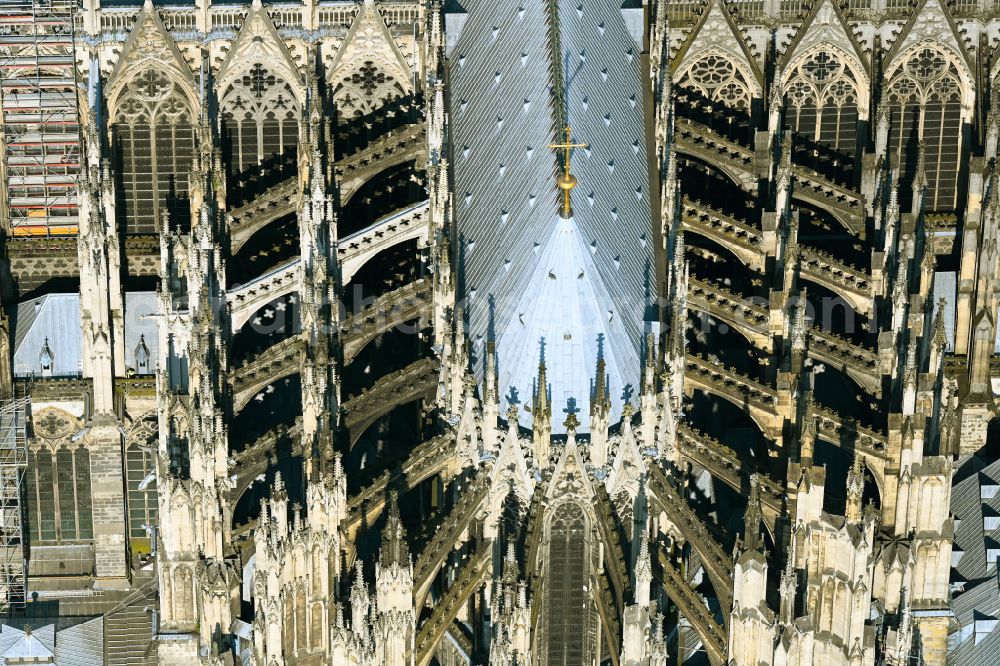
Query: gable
x,y
149,46
258,42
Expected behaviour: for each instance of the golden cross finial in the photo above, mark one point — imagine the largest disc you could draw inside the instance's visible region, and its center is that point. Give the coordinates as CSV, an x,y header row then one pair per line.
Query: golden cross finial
x,y
567,181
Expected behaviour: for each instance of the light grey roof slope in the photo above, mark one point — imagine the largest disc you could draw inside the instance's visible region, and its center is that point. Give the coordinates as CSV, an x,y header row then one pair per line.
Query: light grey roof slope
x,y
975,503
506,200
29,647
563,305
81,645
56,317
139,305
8,636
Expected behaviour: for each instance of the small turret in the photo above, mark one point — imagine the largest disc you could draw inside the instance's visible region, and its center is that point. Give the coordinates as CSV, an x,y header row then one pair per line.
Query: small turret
x,y
541,411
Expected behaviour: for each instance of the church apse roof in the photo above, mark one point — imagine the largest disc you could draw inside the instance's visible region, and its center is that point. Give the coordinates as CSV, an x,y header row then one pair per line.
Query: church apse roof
x,y
510,100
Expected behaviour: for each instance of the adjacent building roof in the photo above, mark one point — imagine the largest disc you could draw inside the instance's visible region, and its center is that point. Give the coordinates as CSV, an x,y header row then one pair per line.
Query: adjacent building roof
x,y
79,645
50,326
975,503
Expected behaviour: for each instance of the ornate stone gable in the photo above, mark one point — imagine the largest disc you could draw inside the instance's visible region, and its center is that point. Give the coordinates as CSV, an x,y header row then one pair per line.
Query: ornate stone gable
x,y
150,47
929,24
570,478
715,45
825,26
258,44
369,69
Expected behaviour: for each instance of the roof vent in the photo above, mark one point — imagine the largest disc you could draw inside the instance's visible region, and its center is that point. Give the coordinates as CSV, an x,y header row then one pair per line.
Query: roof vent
x,y
988,488
600,29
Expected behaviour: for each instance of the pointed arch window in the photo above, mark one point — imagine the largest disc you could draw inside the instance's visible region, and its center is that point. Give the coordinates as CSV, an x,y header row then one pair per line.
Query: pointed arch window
x,y
260,120
59,495
823,96
369,87
925,110
153,135
717,78
567,585
142,507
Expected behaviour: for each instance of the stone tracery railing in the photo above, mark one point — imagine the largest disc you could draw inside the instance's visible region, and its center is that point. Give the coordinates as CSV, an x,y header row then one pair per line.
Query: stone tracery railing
x,y
718,564
692,606
446,538
417,380
472,574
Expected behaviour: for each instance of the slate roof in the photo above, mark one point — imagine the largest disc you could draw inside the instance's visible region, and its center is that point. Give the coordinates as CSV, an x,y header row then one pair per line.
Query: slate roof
x,y
57,318
78,645
976,593
506,200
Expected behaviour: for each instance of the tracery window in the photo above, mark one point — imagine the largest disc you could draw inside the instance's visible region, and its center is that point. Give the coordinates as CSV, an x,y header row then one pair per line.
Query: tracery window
x,y
59,500
141,503
925,110
567,586
259,115
717,78
366,89
153,131
822,93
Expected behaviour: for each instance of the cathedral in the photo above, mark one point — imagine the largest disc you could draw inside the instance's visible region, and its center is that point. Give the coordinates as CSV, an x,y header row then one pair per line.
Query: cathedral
x,y
500,333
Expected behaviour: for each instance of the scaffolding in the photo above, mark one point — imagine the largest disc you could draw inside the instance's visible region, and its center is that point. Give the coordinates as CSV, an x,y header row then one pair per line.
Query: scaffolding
x,y
13,463
40,123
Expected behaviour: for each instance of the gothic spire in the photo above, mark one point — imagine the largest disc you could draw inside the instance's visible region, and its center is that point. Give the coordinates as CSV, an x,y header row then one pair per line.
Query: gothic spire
x,y
394,548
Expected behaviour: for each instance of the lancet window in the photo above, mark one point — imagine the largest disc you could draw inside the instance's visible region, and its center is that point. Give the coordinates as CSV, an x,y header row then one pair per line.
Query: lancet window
x,y
823,97
925,111
716,77
153,133
59,499
141,502
567,584
259,115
